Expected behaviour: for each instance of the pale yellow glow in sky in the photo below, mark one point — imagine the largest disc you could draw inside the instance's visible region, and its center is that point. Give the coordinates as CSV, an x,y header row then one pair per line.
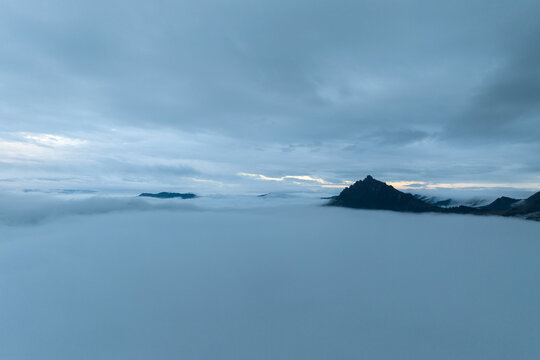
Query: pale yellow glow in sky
x,y
401,185
294,177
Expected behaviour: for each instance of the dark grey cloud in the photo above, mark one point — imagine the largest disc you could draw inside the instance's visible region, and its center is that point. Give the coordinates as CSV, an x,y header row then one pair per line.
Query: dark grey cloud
x,y
507,105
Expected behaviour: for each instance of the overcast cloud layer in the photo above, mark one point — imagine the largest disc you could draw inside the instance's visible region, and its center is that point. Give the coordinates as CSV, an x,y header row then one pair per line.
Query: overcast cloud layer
x,y
226,96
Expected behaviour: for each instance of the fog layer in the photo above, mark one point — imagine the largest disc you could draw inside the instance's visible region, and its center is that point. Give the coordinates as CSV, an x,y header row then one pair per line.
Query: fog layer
x,y
287,282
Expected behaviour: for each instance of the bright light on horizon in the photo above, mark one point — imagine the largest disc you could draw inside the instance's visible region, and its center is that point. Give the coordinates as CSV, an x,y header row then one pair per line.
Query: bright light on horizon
x,y
401,185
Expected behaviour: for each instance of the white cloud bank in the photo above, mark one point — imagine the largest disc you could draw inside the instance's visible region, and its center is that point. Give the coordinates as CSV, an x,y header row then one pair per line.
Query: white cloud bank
x,y
292,282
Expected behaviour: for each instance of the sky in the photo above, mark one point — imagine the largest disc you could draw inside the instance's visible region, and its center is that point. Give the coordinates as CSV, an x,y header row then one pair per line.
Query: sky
x,y
244,96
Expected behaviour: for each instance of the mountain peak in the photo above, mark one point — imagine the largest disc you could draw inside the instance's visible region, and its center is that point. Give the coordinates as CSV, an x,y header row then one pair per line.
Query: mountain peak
x,y
502,203
374,194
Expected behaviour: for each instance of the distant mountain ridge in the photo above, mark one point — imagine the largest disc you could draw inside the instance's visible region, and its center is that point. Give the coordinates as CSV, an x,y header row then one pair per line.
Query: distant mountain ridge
x,y
502,203
377,195
169,195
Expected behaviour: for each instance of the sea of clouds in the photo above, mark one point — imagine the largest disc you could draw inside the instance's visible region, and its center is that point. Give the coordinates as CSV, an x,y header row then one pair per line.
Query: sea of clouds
x,y
262,278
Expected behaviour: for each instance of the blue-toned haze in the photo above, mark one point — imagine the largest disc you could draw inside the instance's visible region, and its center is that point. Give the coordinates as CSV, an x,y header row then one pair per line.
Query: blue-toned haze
x,y
264,109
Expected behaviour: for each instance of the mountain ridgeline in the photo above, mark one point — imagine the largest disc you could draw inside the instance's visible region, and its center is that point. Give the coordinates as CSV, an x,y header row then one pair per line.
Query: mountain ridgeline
x,y
169,195
377,195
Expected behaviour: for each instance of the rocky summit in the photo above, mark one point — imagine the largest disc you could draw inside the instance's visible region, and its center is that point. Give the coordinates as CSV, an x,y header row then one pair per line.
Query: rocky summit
x,y
374,194
377,195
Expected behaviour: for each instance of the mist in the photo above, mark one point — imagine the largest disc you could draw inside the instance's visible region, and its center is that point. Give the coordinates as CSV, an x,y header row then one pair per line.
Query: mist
x,y
284,281
267,111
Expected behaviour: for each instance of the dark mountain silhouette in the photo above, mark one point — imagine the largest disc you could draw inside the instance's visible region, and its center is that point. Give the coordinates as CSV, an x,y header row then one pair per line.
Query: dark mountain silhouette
x,y
528,206
169,195
374,194
531,204
502,203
